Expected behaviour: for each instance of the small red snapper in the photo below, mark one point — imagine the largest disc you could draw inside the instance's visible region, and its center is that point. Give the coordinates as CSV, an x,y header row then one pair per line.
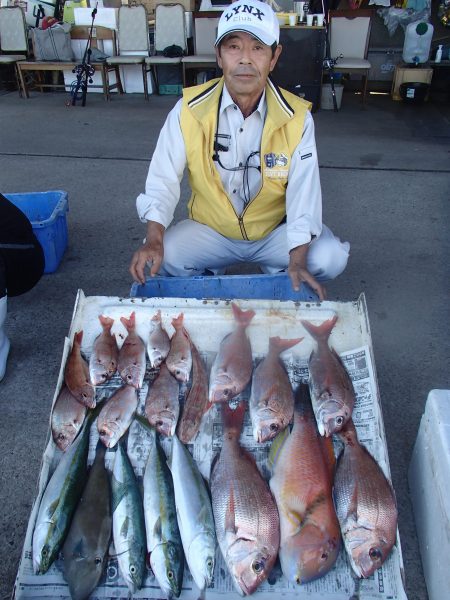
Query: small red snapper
x,y
179,359
365,506
158,341
332,393
245,513
302,472
67,418
272,398
131,365
105,354
116,415
76,374
196,403
162,406
232,367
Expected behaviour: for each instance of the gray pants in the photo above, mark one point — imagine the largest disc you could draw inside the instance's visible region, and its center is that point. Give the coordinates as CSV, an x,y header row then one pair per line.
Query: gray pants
x,y
190,248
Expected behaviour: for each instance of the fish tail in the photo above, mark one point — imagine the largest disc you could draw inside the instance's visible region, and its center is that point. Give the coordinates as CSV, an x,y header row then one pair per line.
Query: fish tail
x,y
303,404
106,322
242,317
78,337
177,323
233,419
320,332
157,317
278,345
130,323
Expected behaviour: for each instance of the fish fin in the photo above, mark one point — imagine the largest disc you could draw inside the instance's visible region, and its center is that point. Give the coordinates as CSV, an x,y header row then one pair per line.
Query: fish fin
x,y
129,323
296,519
230,513
106,322
242,317
157,317
279,345
157,529
78,337
233,419
177,322
276,446
320,332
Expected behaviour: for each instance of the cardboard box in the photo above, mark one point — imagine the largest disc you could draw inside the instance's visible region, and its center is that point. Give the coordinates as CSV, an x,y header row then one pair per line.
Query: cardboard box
x,y
404,74
429,479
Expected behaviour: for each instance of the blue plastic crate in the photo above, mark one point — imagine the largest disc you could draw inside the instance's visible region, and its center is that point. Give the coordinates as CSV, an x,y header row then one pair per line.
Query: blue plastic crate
x,y
224,287
47,214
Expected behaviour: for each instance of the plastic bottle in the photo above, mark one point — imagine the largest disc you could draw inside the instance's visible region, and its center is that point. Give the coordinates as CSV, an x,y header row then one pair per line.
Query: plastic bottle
x,y
438,56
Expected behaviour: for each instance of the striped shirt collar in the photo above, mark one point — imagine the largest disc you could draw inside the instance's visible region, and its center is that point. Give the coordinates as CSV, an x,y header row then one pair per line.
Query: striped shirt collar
x,y
228,101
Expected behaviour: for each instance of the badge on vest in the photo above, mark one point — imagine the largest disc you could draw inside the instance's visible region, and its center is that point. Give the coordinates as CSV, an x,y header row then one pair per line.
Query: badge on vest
x,y
272,161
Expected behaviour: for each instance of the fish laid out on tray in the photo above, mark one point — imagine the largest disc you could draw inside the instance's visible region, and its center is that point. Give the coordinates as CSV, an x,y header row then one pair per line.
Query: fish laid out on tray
x,y
332,393
194,514
67,418
162,405
302,464
60,499
245,512
163,536
272,398
232,367
128,521
158,345
86,545
116,415
105,354
76,374
196,403
365,505
131,363
179,359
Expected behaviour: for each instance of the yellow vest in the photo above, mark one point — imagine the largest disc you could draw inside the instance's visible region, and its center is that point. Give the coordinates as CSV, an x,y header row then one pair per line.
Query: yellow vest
x,y
209,203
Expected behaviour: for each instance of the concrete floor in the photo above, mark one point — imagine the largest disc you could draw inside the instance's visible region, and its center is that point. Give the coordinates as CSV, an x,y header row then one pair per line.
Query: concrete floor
x,y
385,177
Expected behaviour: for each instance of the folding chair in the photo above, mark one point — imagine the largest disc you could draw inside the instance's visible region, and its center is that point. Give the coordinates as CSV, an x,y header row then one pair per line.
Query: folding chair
x,y
133,40
349,41
204,56
170,30
13,39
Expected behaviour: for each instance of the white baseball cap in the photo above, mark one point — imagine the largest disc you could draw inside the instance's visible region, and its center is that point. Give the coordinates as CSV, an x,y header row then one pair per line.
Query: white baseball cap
x,y
252,16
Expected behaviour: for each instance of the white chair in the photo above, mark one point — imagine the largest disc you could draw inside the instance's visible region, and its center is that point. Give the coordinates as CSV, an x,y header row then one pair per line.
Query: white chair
x,y
133,40
204,57
170,30
349,41
13,39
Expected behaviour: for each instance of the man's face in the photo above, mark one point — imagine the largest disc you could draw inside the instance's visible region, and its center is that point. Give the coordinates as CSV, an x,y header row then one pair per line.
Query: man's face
x,y
246,63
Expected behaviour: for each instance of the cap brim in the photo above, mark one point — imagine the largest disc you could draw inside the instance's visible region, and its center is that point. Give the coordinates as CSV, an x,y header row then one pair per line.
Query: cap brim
x,y
266,42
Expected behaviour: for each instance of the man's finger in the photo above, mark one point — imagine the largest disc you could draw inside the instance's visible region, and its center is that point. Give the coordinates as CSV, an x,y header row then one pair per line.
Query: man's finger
x,y
295,280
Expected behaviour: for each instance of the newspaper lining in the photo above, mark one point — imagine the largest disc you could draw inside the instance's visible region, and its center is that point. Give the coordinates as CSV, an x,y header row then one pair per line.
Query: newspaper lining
x,y
339,584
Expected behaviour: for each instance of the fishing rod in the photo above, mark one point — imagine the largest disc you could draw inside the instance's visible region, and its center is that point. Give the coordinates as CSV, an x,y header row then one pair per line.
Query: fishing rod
x,y
85,70
328,62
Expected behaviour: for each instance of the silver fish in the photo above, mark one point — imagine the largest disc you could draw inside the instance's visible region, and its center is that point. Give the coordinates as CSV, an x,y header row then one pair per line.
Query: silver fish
x,y
87,542
105,354
59,500
128,521
365,506
158,342
116,415
245,512
194,514
163,536
332,393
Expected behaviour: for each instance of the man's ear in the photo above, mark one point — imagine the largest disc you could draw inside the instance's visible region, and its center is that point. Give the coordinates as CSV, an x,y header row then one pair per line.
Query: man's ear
x,y
275,56
218,57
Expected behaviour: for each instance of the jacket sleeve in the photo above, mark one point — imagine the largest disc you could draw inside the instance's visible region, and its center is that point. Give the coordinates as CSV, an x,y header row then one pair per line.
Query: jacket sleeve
x,y
162,187
303,192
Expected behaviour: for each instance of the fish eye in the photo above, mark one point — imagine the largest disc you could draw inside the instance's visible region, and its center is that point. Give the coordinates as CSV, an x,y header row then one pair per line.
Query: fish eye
x,y
98,560
170,574
44,552
258,566
226,392
209,563
375,554
133,570
339,420
274,427
61,436
324,556
129,377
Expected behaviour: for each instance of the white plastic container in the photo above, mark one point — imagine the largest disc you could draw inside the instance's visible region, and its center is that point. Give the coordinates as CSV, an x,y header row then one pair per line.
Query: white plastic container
x,y
416,48
429,482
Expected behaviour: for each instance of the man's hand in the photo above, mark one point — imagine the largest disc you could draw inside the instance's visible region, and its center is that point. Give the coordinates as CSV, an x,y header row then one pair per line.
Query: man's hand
x,y
151,253
298,272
